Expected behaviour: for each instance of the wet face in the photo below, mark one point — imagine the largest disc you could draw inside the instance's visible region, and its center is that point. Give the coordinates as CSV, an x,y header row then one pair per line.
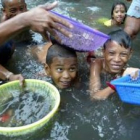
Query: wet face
x,y
14,7
63,71
119,14
116,57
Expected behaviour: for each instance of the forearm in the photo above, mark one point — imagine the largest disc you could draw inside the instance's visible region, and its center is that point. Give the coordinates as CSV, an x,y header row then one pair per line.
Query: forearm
x,y
132,26
101,94
4,73
13,26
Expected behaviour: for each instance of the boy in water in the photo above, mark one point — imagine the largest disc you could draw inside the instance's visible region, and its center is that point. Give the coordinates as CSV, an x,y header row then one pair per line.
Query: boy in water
x,y
61,65
117,51
12,8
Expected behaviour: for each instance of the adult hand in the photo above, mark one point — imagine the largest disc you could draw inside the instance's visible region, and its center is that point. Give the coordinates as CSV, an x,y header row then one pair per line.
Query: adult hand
x,y
41,20
19,77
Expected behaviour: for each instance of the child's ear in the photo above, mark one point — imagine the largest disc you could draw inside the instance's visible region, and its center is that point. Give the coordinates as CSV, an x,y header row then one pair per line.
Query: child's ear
x,y
47,69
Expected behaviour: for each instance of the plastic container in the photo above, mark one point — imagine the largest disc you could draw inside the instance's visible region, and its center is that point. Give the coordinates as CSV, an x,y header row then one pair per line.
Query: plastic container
x,y
84,37
128,89
31,84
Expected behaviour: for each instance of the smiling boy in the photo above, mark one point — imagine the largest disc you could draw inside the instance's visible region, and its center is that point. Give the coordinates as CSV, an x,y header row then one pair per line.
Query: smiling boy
x,y
12,8
117,51
61,65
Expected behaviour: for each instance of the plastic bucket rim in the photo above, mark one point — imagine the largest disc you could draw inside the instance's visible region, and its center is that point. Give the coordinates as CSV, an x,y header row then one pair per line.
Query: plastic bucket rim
x,y
44,119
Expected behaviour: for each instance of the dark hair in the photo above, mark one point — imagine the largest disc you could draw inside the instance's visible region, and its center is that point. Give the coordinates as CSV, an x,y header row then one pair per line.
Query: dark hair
x,y
3,3
114,5
121,37
58,50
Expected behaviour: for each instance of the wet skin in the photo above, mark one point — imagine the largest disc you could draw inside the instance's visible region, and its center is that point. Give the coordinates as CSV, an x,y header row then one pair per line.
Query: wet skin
x,y
115,57
63,71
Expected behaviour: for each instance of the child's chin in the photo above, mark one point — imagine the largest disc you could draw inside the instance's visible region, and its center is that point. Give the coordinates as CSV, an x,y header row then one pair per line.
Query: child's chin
x,y
63,87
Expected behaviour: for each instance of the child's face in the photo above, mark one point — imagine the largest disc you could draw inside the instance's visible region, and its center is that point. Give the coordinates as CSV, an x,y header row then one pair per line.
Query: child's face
x,y
119,14
116,57
14,7
63,71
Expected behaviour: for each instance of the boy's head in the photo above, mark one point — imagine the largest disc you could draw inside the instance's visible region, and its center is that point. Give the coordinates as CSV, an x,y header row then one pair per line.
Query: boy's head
x,y
61,65
117,51
12,8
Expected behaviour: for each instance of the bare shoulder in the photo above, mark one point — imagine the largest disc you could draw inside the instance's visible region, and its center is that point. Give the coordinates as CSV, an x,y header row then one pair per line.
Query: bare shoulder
x,y
41,52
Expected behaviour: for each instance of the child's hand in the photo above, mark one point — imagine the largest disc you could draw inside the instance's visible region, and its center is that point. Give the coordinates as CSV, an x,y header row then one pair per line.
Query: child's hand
x,y
17,77
133,72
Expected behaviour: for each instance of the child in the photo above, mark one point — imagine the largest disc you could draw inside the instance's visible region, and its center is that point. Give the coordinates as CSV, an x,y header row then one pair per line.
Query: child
x,y
12,8
61,65
117,51
118,14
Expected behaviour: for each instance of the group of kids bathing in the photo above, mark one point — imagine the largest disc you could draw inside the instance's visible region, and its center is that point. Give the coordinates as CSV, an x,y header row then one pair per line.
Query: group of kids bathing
x,y
61,62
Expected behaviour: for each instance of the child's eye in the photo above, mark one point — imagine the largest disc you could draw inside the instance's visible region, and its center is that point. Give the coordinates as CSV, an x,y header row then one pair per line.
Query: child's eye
x,y
124,55
59,69
13,10
21,8
73,69
111,53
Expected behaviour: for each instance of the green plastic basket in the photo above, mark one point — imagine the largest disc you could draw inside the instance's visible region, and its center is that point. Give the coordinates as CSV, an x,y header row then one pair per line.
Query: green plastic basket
x,y
5,94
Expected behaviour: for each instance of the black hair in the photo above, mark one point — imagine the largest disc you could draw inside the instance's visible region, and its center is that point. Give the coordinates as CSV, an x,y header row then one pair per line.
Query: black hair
x,y
121,37
3,3
114,5
58,50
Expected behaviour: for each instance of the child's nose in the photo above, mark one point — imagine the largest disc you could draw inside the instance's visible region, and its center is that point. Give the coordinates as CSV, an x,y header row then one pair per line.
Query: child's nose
x,y
66,74
117,58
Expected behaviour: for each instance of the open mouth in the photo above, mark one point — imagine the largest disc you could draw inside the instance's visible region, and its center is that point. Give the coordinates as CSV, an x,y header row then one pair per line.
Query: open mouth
x,y
119,18
116,67
65,83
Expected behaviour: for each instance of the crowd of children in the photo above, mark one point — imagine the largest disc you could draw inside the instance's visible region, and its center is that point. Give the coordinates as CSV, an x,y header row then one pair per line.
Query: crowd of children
x,y
60,62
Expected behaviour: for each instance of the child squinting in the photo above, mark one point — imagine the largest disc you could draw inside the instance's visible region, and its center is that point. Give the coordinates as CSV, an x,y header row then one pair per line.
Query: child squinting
x,y
116,53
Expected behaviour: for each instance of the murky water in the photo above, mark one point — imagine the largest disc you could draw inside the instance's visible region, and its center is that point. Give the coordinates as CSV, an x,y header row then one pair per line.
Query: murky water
x,y
78,118
25,108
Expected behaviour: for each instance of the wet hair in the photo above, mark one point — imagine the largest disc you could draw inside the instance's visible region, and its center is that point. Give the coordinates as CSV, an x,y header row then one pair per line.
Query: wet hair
x,y
118,3
121,37
3,3
58,50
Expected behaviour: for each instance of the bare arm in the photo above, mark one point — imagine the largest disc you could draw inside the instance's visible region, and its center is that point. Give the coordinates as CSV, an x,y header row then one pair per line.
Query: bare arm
x,y
95,82
132,26
7,75
38,19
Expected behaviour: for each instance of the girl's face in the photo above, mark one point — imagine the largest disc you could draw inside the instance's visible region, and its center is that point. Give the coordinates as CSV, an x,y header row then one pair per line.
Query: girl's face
x,y
119,14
